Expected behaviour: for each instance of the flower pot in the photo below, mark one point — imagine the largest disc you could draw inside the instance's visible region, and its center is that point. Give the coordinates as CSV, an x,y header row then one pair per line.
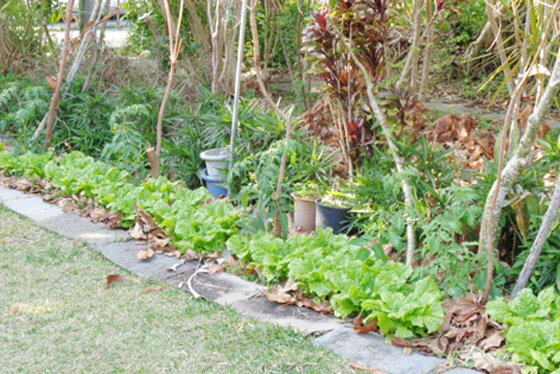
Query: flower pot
x,y
214,185
216,161
304,213
338,219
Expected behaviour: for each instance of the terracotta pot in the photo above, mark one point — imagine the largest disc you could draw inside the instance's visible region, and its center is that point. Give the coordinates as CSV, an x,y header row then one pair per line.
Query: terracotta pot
x,y
338,219
304,213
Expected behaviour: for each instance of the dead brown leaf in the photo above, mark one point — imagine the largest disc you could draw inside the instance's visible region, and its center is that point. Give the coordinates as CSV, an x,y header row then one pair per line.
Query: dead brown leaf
x,y
137,233
69,206
147,222
320,307
495,340
279,298
114,278
145,254
214,268
359,367
484,361
360,328
191,255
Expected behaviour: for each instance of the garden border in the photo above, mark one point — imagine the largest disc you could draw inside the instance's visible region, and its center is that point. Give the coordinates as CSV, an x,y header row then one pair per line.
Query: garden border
x,y
224,289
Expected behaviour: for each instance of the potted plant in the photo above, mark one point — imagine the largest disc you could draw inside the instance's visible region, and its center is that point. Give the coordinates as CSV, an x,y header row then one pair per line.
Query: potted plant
x,y
214,185
333,211
304,206
216,161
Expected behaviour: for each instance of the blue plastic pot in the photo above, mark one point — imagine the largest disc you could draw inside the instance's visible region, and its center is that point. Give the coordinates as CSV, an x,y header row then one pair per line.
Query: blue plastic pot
x,y
214,185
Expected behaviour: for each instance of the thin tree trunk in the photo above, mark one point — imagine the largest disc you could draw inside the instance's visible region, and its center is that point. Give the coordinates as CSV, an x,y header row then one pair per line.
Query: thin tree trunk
x,y
175,47
508,175
539,243
411,63
96,55
427,51
490,226
399,160
277,226
60,78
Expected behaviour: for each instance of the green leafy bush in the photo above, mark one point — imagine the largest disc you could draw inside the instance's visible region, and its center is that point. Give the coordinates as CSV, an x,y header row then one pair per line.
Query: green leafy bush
x,y
533,334
353,279
183,213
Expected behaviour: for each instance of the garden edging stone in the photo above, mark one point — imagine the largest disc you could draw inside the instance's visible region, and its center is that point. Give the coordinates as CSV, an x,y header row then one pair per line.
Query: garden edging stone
x,y
223,289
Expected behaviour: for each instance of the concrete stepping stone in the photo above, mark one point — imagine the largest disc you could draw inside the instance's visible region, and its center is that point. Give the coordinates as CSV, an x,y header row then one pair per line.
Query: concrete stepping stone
x,y
79,228
7,194
224,289
371,351
302,319
33,207
124,255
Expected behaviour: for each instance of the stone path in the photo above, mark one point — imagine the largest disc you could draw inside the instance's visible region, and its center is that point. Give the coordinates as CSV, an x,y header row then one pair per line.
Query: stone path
x,y
225,289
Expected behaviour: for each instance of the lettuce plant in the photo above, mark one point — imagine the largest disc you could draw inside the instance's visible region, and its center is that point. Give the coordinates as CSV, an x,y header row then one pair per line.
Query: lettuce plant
x,y
533,333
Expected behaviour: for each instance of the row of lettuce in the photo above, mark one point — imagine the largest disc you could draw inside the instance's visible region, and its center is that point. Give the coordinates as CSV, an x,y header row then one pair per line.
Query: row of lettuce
x,y
327,266
354,278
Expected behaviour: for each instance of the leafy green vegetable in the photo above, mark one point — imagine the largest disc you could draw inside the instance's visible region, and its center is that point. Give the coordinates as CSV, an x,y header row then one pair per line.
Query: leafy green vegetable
x,y
331,267
533,334
183,213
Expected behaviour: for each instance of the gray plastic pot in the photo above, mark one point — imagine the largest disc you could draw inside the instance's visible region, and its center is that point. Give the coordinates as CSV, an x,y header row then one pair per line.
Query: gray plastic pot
x,y
304,213
216,161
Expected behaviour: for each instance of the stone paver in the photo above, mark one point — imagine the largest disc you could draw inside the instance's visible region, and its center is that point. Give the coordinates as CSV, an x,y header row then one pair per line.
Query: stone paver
x,y
7,194
33,207
302,319
224,289
124,255
462,371
75,227
371,351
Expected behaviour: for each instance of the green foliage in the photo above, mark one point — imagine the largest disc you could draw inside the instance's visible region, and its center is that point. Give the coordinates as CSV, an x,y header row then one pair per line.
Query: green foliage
x,y
533,334
184,214
354,279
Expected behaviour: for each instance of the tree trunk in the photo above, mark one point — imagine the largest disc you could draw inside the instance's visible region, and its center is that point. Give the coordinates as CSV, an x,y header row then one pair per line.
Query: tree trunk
x,y
60,78
411,63
399,160
539,243
427,51
175,47
490,225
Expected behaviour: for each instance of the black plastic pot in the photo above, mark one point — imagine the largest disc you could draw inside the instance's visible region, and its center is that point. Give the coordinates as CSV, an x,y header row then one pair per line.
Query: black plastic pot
x,y
338,219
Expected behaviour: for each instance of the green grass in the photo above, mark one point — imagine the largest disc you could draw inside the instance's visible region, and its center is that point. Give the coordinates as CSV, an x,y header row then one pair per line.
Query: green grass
x,y
57,317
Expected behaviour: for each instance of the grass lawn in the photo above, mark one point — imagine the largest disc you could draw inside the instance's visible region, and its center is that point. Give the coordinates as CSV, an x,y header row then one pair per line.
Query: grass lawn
x,y
56,316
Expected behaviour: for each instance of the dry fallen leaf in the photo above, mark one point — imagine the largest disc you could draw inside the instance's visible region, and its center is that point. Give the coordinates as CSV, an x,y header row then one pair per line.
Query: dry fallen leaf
x,y
137,233
484,361
279,298
69,206
214,268
360,328
114,278
495,340
359,367
147,222
191,255
145,254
